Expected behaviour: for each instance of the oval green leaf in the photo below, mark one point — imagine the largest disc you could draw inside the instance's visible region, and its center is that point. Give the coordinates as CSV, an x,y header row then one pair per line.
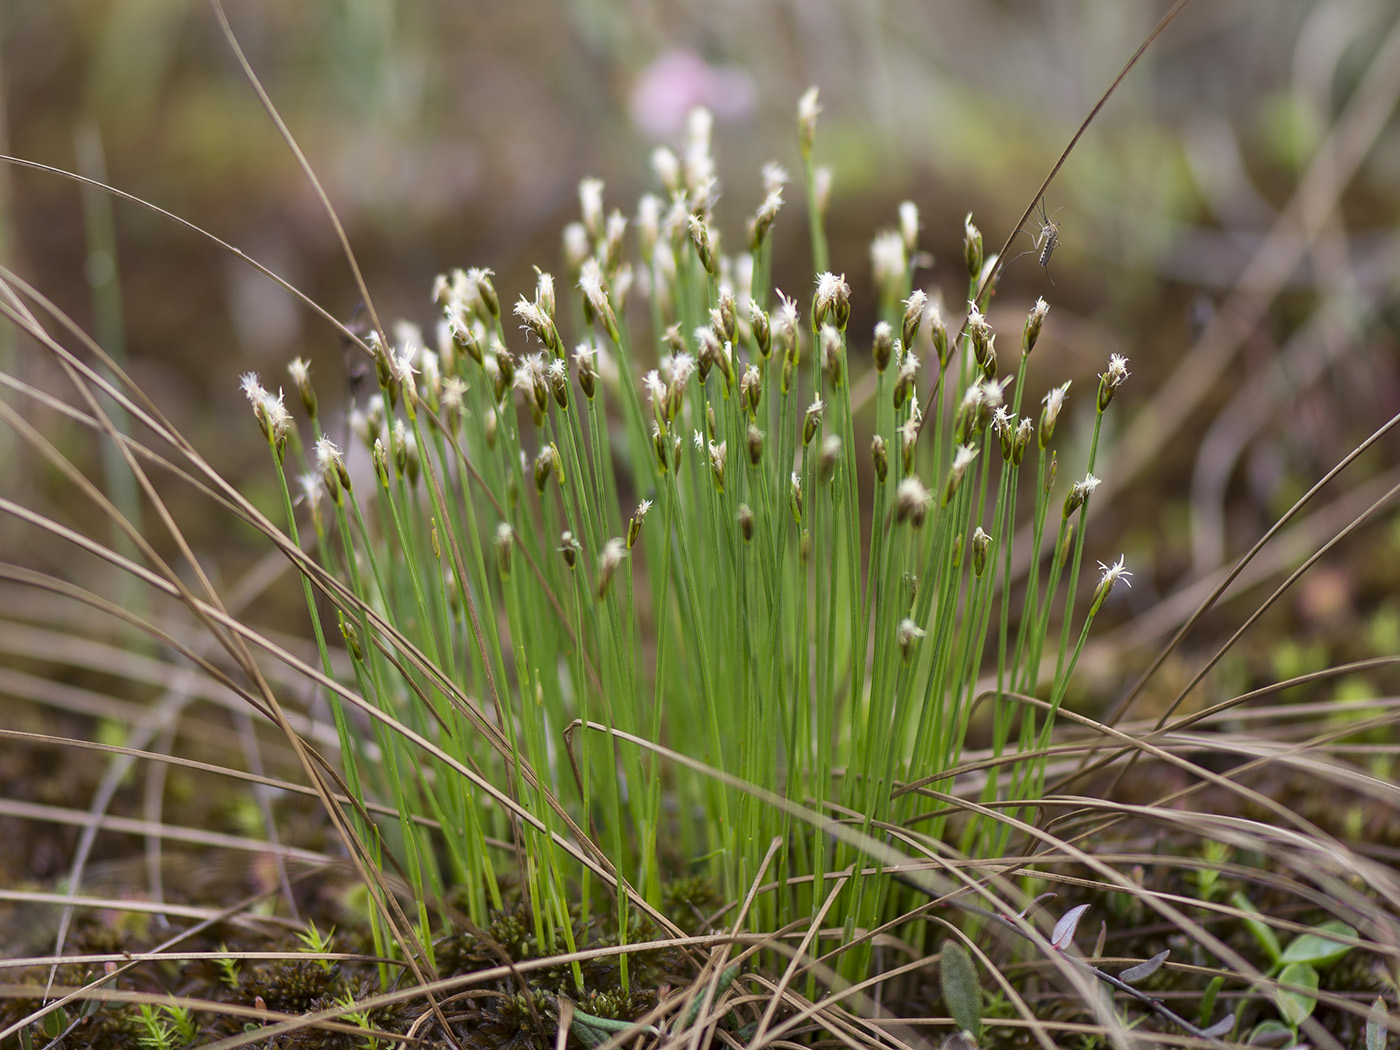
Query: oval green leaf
x,y
1296,1006
962,993
1316,947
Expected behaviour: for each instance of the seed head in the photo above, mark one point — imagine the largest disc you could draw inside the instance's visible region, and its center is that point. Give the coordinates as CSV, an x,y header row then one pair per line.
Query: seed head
x,y
981,545
300,372
774,176
830,454
331,465
762,332
882,346
881,458
811,420
904,384
667,168
911,501
753,438
608,561
962,459
746,522
634,527
914,308
972,248
569,547
751,389
832,301
795,497
700,237
576,247
719,460
763,218
909,226
889,263
1054,401
505,539
1111,575
1079,494
1111,380
613,232
807,110
938,333
590,197
1021,441
908,635
785,337
1034,321
586,359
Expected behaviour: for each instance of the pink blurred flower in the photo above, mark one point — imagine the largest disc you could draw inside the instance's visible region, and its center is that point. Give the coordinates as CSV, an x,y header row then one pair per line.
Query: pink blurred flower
x,y
678,81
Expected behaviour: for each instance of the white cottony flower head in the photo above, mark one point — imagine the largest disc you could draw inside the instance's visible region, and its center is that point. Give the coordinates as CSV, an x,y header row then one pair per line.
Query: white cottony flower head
x,y
908,632
667,167
590,196
279,420
909,223
807,108
613,553
590,281
678,368
402,362
649,216
785,317
699,440
557,369
830,288
1002,419
252,388
1055,400
774,176
615,227
328,457
887,258
993,390
1113,573
1117,369
454,389
963,457
300,371
642,509
1089,484
655,388
311,490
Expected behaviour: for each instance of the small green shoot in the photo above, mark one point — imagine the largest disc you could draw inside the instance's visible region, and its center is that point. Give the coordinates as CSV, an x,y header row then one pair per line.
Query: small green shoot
x,y
318,943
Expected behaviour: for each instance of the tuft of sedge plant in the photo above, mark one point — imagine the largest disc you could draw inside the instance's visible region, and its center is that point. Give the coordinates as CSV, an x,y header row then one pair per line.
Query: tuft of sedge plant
x,y
473,633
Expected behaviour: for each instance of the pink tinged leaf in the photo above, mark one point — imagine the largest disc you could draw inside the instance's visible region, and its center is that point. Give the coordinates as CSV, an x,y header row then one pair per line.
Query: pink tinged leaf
x,y
1143,970
1220,1027
1064,929
1035,904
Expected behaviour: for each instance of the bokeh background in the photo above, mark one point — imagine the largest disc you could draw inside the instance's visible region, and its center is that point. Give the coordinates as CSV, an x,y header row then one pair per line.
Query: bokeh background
x,y
455,134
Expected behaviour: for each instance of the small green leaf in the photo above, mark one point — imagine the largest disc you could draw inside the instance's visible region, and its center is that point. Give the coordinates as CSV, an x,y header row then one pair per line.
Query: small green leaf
x,y
1316,948
962,992
1377,1025
1260,931
1208,1000
54,1023
1296,1006
1271,1033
